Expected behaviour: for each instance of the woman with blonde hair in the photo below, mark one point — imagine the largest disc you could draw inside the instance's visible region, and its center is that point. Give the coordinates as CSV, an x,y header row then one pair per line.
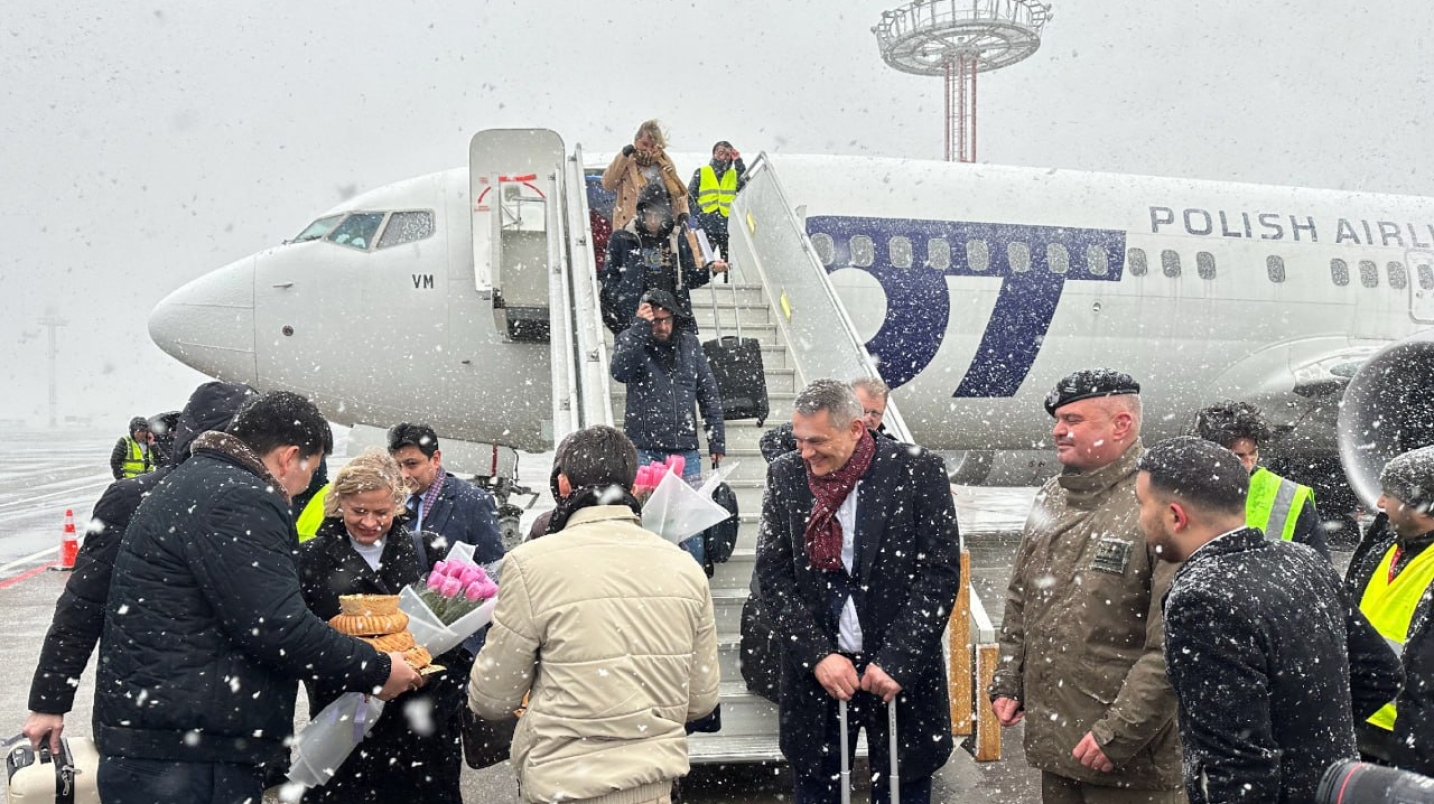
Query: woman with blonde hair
x,y
644,162
362,547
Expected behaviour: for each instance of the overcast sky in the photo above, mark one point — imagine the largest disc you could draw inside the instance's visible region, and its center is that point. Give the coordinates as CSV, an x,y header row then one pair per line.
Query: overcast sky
x,y
147,143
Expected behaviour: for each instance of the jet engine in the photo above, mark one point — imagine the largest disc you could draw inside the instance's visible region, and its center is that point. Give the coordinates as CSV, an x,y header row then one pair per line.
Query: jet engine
x,y
1387,409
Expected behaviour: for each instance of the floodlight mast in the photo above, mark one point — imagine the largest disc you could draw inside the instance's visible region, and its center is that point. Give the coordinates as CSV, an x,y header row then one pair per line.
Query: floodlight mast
x,y
958,39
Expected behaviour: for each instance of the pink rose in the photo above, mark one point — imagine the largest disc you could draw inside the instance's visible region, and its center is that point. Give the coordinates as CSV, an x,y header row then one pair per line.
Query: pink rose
x,y
441,568
451,587
435,579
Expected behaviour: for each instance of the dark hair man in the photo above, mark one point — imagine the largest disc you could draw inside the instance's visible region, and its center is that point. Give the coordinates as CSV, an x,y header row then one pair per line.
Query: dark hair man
x,y
80,612
857,558
1390,574
1270,660
1281,508
667,378
1082,642
206,634
131,456
609,629
714,185
442,503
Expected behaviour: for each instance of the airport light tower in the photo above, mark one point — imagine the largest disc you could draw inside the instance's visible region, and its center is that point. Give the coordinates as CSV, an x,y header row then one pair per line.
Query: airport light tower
x,y
957,39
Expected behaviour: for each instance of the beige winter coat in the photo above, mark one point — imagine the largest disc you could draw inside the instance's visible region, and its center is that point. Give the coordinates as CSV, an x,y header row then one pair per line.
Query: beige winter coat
x,y
611,628
1082,643
624,176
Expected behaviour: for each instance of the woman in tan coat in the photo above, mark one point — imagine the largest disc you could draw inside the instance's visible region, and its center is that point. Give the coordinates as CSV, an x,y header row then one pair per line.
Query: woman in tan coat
x,y
645,160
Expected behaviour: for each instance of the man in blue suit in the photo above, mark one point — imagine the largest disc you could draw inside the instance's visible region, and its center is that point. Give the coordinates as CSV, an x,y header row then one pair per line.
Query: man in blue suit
x,y
442,503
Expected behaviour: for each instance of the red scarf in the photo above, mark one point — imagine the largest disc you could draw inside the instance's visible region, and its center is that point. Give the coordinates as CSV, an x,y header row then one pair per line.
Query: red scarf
x,y
823,535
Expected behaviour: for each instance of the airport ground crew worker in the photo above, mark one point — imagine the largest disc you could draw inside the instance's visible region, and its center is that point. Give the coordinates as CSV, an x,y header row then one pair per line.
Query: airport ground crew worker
x,y
1082,644
1264,708
714,185
132,455
1390,575
1281,508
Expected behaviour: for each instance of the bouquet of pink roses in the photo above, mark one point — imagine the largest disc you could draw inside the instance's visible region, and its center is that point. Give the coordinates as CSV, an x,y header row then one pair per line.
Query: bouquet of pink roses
x,y
650,476
452,603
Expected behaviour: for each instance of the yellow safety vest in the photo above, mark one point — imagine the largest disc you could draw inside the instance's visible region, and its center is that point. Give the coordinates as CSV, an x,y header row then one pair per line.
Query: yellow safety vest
x,y
313,514
1274,504
1390,608
715,195
137,462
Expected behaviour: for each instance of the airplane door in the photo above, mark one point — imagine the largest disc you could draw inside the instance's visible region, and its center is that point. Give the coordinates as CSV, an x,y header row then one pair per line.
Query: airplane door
x,y
1421,285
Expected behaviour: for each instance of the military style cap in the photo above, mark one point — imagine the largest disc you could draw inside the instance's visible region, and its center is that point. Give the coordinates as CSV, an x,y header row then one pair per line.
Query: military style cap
x,y
1090,383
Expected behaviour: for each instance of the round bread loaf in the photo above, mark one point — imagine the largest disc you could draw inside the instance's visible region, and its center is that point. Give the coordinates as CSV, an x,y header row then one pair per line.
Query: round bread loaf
x,y
364,605
363,625
390,643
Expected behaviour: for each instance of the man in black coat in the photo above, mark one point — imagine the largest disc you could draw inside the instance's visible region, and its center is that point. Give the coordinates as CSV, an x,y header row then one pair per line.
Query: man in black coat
x,y
858,562
80,612
1261,640
206,633
442,503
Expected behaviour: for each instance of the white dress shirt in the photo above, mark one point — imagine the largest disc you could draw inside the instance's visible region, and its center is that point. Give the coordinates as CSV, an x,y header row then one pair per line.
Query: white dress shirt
x,y
849,635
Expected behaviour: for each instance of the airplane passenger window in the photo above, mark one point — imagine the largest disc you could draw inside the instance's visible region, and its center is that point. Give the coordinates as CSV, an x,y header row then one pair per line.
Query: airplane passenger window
x,y
1019,255
1138,264
1398,277
357,230
1205,264
318,228
1058,260
898,250
406,227
863,251
1368,274
1426,277
826,248
1170,263
1097,261
978,255
1275,267
1339,272
938,253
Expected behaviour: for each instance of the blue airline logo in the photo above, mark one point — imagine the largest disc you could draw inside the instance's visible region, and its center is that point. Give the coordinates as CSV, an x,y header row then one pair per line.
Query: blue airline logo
x,y
918,302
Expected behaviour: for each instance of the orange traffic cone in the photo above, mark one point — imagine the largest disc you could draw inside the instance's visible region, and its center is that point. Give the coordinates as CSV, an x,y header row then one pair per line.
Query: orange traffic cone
x,y
69,543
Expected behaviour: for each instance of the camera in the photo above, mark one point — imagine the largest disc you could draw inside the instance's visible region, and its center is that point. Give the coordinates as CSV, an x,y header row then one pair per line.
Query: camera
x,y
1351,782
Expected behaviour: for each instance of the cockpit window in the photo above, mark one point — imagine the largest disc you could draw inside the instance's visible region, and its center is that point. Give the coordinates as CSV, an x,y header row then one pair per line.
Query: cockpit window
x,y
406,227
318,228
357,230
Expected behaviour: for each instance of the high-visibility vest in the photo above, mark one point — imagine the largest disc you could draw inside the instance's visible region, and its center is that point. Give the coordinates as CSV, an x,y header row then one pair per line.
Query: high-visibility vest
x,y
1274,504
137,461
1390,608
313,514
715,195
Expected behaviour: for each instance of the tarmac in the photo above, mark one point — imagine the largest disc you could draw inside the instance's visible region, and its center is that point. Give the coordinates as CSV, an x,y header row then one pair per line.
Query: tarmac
x,y
42,474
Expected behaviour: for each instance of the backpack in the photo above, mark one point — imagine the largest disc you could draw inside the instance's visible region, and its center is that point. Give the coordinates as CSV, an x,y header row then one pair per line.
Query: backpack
x,y
720,540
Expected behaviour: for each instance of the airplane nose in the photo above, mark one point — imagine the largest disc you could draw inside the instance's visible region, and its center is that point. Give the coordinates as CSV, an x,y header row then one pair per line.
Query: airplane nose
x,y
208,324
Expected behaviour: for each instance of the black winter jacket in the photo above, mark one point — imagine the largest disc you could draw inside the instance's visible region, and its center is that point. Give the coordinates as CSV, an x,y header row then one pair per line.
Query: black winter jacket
x,y
627,275
80,612
1272,664
907,548
206,632
1413,747
431,758
661,399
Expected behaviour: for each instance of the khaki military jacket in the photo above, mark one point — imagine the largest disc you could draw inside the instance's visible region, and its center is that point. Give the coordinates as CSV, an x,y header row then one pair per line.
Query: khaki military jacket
x,y
1082,640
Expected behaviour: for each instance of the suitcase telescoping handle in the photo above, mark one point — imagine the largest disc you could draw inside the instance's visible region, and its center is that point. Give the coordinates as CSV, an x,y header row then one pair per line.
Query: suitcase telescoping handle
x,y
736,304
894,772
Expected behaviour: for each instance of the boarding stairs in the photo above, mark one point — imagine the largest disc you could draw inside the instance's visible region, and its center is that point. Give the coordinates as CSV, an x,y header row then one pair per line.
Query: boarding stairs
x,y
778,293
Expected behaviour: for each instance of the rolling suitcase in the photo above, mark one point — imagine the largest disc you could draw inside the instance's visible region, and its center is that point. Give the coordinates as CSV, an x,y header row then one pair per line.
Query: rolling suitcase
x,y
737,364
893,778
36,776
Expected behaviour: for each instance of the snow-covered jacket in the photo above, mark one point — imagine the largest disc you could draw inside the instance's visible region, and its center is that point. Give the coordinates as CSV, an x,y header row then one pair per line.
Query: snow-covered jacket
x,y
610,630
1082,643
662,399
1272,663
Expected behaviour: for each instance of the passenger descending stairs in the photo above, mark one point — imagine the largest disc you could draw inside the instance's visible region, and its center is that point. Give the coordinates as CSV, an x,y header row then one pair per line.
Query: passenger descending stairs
x,y
749,722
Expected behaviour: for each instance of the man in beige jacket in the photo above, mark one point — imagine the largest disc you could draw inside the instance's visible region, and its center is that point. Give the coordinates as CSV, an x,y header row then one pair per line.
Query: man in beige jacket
x,y
1082,658
608,628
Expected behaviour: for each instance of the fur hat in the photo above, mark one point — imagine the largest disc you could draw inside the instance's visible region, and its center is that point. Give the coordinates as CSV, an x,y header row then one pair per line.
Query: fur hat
x,y
1409,478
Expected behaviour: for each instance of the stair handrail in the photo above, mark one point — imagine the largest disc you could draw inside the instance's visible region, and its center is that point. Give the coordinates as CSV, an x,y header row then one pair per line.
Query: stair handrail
x,y
562,347
595,383
849,357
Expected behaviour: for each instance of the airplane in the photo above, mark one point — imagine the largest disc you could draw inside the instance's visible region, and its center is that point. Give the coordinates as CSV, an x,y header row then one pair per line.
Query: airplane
x,y
976,287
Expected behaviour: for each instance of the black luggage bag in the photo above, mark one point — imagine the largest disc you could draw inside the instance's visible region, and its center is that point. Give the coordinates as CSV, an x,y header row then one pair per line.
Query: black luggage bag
x,y
737,364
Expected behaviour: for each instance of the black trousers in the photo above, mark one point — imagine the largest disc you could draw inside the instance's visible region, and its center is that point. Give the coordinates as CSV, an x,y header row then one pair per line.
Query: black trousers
x,y
123,780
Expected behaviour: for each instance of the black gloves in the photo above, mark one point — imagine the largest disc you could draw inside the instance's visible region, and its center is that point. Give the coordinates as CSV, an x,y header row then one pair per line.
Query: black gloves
x,y
628,150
